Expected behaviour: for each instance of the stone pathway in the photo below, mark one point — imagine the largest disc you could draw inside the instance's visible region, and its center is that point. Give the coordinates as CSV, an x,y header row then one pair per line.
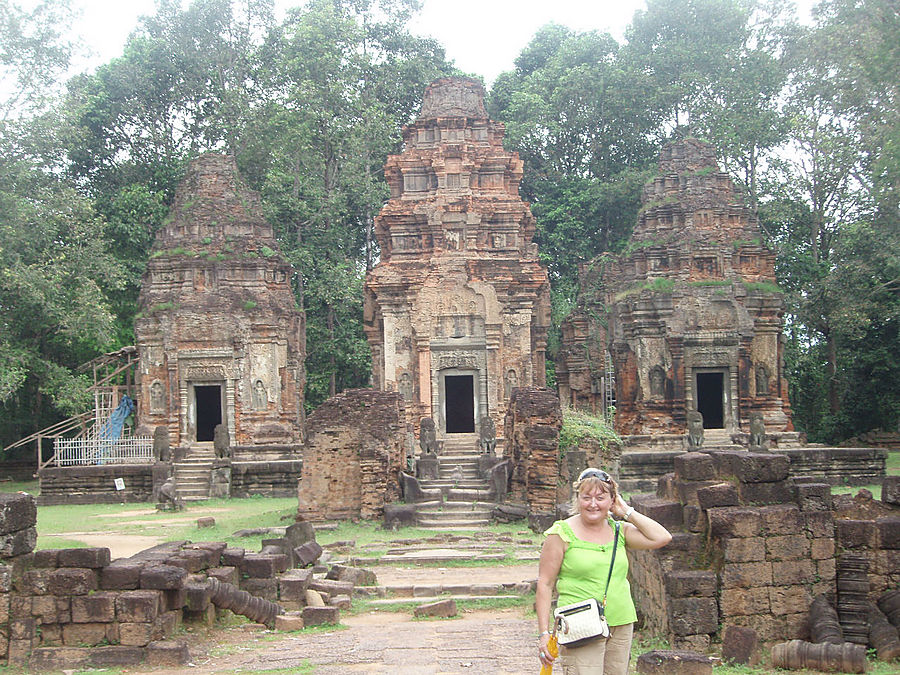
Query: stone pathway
x,y
498,642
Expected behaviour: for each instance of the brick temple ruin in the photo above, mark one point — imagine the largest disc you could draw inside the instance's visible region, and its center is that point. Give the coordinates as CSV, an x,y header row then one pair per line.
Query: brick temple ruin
x,y
457,310
690,313
220,337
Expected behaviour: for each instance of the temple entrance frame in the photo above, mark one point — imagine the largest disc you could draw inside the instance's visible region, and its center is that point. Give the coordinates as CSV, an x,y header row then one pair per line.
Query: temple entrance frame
x,y
712,396
207,407
460,400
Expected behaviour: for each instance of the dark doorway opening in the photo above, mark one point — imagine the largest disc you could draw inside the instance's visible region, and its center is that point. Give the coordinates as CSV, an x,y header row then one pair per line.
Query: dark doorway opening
x,y
711,399
209,410
459,397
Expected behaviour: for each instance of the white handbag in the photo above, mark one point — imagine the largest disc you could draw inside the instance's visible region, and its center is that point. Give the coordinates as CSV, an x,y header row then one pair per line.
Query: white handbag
x,y
584,620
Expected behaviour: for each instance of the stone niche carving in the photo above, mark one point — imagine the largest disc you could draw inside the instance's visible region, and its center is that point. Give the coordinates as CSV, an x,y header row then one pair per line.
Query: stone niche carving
x,y
226,347
688,296
472,298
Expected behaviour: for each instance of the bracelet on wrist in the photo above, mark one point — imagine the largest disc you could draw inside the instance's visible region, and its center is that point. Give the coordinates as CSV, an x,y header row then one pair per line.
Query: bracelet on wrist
x,y
544,632
628,513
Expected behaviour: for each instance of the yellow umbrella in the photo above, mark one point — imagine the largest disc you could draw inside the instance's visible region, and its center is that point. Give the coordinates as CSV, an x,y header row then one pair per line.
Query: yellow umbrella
x,y
553,650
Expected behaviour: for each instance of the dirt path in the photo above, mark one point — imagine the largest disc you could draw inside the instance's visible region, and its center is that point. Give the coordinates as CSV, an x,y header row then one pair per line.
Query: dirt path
x,y
498,642
495,574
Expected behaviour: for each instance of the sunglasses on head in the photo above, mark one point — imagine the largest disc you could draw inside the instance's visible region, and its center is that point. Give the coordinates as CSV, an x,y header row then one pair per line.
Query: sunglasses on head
x,y
594,473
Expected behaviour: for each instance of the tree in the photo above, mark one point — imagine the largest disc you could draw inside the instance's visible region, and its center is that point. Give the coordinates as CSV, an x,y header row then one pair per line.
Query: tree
x,y
55,266
341,83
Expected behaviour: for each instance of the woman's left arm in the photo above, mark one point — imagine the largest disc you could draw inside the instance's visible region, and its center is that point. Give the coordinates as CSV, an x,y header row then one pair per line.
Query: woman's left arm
x,y
641,532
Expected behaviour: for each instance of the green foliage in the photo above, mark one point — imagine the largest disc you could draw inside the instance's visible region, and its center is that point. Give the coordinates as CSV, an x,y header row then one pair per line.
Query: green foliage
x,y
266,251
578,426
762,287
249,304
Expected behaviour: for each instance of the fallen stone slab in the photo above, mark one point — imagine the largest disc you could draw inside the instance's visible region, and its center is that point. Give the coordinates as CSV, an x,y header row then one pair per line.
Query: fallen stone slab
x,y
289,622
168,653
318,616
441,608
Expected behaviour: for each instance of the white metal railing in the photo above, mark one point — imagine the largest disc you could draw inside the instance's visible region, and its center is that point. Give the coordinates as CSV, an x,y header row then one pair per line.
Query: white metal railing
x,y
89,451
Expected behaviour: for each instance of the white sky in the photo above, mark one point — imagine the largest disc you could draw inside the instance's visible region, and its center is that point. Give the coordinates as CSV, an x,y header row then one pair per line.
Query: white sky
x,y
482,36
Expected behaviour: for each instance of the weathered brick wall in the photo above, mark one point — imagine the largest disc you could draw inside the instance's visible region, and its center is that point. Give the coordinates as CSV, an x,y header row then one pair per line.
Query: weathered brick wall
x,y
532,426
353,455
96,484
275,478
751,548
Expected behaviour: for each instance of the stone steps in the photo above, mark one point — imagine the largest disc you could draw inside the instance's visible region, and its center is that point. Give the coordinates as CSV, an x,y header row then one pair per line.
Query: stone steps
x,y
192,473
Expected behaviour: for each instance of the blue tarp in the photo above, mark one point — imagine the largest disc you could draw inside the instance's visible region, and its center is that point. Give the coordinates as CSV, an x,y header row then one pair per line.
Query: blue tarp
x,y
112,428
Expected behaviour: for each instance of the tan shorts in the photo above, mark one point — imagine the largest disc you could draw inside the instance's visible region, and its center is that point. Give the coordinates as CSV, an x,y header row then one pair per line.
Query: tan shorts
x,y
603,656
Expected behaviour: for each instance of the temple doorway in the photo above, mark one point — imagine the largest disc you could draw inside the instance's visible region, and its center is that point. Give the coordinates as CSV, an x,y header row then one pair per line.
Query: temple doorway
x,y
459,403
711,399
208,400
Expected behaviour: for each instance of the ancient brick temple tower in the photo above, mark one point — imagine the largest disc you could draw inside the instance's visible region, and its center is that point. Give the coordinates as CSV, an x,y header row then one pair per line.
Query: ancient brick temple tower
x,y
457,310
219,334
694,315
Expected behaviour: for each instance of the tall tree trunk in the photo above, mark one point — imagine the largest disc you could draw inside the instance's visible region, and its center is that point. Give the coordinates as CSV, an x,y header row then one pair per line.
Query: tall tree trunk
x,y
831,370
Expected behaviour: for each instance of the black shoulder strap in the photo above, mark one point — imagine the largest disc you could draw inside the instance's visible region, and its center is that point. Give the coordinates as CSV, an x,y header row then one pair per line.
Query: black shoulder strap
x,y
612,563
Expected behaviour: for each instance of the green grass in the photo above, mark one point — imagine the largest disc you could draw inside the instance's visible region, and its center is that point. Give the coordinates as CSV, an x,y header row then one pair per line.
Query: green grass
x,y
29,486
230,514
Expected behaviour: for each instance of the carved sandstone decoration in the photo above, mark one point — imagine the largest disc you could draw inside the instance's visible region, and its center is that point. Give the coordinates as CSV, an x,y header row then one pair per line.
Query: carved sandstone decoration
x,y
219,334
459,292
353,456
690,313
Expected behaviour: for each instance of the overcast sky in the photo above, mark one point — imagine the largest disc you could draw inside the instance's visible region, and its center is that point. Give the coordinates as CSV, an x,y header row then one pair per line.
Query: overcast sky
x,y
481,36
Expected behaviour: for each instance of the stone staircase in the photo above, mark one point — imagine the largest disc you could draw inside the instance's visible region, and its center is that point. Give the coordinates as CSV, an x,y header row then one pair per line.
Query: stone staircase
x,y
642,465
192,473
464,492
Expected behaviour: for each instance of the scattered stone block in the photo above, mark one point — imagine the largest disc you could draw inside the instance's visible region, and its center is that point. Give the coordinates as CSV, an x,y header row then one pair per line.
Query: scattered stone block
x,y
695,466
163,577
340,601
299,533
289,622
331,587
121,576
674,662
17,512
307,554
168,653
441,608
206,521
354,575
317,616
739,645
47,558
91,558
225,574
292,586
314,598
232,556
18,543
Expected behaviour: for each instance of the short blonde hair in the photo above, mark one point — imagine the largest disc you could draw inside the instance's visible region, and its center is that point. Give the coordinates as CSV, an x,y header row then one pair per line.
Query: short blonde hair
x,y
590,479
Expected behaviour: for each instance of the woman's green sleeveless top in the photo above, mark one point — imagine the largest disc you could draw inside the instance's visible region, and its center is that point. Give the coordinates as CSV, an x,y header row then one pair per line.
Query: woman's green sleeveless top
x,y
583,573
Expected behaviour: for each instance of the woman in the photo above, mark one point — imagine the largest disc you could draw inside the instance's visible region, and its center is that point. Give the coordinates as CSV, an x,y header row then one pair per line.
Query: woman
x,y
576,558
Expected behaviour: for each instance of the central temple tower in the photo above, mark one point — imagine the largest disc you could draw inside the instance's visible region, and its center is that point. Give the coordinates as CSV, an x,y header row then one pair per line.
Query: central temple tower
x,y
457,310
